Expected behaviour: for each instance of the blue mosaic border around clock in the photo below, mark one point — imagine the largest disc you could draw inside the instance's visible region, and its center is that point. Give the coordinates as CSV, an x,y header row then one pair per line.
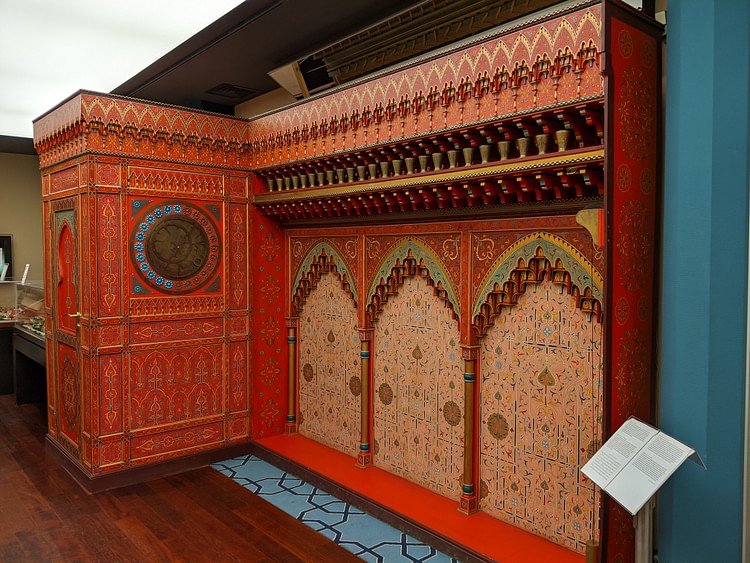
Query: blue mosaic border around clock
x,y
151,280
140,248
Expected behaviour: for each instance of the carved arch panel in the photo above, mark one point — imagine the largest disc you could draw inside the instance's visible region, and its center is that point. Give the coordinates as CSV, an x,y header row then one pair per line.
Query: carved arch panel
x,y
541,399
321,258
410,258
418,401
531,260
329,380
67,367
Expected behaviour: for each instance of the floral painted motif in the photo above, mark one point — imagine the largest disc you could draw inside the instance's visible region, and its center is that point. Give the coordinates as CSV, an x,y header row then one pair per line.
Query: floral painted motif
x,y
329,389
634,113
270,247
269,330
541,405
634,244
170,385
419,406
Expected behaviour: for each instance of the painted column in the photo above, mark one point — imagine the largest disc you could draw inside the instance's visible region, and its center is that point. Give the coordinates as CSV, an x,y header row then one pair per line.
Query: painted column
x,y
364,458
291,408
468,490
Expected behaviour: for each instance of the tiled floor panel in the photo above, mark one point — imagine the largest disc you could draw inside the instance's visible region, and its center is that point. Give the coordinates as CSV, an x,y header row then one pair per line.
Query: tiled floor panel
x,y
362,534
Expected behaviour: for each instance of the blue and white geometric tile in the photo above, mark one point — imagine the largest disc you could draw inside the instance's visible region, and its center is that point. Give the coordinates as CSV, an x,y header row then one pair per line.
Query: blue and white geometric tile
x,y
367,537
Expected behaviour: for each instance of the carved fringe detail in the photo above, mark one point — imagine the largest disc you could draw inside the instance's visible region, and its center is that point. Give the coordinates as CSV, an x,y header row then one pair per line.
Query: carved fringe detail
x,y
321,264
521,277
390,286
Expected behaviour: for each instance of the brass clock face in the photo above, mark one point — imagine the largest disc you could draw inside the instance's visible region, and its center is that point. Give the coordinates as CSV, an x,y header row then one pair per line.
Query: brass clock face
x,y
175,248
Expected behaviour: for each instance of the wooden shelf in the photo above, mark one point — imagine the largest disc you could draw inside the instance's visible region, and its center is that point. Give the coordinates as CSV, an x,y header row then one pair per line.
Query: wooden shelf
x,y
561,176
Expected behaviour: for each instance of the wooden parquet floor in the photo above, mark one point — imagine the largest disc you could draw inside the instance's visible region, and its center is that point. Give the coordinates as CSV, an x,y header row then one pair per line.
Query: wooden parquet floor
x,y
195,516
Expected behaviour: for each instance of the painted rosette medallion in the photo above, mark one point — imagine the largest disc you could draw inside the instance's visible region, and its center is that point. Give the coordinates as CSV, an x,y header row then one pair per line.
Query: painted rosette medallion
x,y
175,247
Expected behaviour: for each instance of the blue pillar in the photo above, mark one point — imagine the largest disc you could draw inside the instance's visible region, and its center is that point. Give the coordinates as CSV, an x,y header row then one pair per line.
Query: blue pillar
x,y
704,277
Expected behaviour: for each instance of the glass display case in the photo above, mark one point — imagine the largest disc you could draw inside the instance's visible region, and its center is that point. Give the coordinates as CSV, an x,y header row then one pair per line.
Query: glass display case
x,y
29,358
29,307
8,302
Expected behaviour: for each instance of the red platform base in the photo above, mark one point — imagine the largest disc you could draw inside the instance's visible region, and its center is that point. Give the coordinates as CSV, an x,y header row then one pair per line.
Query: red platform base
x,y
479,532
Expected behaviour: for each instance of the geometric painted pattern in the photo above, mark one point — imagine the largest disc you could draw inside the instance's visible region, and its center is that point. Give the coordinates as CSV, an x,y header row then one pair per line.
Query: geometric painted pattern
x,y
541,416
329,383
365,536
418,397
172,385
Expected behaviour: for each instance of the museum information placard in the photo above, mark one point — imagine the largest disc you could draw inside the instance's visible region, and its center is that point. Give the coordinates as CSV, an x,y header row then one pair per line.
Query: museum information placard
x,y
632,465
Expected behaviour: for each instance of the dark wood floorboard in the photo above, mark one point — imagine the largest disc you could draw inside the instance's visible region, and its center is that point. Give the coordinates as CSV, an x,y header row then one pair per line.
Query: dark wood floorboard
x,y
193,517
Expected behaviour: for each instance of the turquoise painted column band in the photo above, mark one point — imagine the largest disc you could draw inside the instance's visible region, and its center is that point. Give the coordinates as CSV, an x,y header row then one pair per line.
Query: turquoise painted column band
x,y
364,354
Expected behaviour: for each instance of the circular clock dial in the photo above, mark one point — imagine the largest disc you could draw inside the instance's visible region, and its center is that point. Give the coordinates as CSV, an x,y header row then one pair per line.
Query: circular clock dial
x,y
177,247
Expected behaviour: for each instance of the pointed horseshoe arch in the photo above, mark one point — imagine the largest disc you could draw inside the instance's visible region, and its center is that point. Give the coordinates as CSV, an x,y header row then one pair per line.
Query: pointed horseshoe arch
x,y
410,257
321,258
551,257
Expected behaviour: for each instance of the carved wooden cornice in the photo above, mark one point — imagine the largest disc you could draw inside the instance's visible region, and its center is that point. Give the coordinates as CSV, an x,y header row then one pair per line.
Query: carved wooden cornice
x,y
422,28
107,124
512,117
504,73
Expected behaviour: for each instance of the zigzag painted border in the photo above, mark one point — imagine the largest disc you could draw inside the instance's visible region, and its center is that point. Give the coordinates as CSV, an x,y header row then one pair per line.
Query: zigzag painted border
x,y
505,59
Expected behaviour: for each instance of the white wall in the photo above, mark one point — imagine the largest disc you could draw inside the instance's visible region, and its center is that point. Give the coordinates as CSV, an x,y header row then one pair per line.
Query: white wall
x,y
21,211
262,104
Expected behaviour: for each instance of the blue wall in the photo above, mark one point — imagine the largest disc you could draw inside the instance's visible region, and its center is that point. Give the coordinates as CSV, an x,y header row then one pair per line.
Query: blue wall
x,y
704,277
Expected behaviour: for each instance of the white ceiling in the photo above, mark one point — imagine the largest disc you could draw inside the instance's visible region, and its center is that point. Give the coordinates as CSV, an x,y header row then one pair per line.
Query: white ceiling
x,y
49,49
